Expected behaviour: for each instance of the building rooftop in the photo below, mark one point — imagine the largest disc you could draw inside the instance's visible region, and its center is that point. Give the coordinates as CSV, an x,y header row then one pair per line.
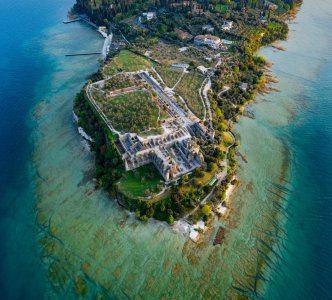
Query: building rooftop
x,y
207,36
208,28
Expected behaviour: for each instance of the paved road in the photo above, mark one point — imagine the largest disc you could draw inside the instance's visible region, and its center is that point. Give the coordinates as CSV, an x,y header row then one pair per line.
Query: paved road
x,y
224,90
207,101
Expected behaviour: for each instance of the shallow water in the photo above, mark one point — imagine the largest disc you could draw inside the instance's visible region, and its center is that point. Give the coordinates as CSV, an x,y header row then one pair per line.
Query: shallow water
x,y
303,270
93,247
79,242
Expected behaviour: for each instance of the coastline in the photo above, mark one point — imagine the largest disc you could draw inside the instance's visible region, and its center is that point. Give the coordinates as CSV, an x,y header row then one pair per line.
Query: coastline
x,y
114,228
63,238
274,233
266,87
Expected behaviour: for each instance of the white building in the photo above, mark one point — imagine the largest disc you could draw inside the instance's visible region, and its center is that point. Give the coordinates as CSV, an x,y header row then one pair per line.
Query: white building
x,y
243,86
180,66
271,5
102,28
148,15
202,69
208,28
208,40
227,25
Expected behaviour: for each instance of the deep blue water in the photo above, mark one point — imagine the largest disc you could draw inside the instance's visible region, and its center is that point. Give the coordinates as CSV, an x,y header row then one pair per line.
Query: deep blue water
x,y
22,64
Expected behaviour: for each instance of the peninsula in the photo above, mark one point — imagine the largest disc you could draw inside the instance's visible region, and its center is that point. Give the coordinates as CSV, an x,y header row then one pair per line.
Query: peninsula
x,y
159,112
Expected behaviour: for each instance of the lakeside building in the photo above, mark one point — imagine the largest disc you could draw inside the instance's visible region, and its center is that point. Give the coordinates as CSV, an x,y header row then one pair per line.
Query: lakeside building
x,y
211,41
227,25
102,28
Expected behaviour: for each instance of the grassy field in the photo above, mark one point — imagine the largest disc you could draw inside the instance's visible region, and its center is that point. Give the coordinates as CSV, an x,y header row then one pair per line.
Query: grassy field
x,y
141,182
132,112
127,61
188,88
170,76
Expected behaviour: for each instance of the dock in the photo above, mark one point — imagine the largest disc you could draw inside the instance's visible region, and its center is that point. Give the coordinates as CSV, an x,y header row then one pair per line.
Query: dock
x,y
71,20
237,152
108,38
219,236
81,54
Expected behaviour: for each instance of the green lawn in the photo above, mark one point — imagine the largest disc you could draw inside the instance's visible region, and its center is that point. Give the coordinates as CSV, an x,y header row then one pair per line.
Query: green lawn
x,y
169,75
141,182
188,88
127,61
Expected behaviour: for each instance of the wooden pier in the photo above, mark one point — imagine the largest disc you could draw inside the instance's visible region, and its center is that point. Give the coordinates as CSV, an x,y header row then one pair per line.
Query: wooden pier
x,y
82,54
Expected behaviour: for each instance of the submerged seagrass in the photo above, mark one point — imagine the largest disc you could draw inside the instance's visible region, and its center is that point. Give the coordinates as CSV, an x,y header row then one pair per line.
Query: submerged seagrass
x,y
112,254
89,233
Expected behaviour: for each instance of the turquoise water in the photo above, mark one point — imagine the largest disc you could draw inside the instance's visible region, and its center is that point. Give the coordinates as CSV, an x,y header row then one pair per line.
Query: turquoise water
x,y
63,239
305,69
299,116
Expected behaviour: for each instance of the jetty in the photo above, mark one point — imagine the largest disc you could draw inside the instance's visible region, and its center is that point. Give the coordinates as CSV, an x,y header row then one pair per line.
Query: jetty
x,y
237,152
71,20
81,54
249,114
83,18
108,37
219,236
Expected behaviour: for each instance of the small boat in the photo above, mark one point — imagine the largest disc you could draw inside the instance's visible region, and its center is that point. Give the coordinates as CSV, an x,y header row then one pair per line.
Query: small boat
x,y
219,236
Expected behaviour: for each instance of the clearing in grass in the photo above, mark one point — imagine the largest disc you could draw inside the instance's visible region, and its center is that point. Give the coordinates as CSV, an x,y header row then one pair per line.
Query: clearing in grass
x,y
127,61
188,89
169,75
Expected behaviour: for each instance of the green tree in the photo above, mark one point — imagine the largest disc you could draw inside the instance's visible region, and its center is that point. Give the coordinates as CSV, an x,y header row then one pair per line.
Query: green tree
x,y
206,210
170,219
